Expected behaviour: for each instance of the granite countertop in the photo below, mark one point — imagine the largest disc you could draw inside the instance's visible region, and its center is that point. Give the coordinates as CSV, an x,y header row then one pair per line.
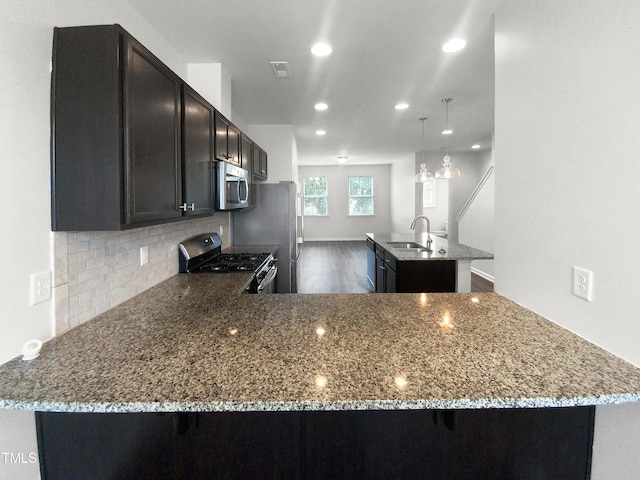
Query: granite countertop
x,y
195,343
452,250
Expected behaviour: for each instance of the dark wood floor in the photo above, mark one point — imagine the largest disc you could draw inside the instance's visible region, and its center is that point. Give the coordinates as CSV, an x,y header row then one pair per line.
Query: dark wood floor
x,y
341,267
333,267
479,284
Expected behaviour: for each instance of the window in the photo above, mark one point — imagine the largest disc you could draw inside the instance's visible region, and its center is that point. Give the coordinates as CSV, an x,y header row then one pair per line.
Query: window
x,y
315,196
360,195
429,193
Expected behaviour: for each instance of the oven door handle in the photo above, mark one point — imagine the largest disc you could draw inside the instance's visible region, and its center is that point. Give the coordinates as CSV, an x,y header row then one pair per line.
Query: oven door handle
x,y
268,279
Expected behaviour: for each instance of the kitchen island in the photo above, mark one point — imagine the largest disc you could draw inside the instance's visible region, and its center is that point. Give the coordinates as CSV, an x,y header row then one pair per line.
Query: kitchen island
x,y
194,343
411,251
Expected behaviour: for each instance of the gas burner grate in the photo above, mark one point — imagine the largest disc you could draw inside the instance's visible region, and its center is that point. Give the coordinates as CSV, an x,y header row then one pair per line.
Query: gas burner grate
x,y
233,262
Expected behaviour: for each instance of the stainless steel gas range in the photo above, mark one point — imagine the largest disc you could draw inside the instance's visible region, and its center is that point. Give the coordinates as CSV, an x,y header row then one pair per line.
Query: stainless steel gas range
x,y
203,254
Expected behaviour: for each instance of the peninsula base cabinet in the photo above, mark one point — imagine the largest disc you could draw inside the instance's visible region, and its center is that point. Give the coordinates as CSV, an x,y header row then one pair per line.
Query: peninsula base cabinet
x,y
496,444
395,276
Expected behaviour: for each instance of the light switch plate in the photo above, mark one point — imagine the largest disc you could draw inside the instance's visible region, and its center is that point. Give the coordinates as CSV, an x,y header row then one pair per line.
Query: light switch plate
x,y
583,283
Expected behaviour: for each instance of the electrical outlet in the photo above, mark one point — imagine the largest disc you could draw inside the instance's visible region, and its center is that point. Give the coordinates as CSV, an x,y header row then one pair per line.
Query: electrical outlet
x,y
40,287
583,283
144,255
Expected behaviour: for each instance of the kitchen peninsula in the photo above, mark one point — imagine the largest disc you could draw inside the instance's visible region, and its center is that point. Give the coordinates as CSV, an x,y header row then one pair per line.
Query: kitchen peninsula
x,y
329,364
410,262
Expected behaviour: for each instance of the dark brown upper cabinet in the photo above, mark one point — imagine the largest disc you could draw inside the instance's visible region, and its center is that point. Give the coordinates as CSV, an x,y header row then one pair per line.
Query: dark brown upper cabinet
x,y
246,153
197,154
116,132
259,163
227,141
131,143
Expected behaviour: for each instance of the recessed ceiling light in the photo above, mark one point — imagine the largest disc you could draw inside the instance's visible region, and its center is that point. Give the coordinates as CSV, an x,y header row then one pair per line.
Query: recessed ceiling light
x,y
454,45
343,159
320,132
321,49
447,131
476,146
402,106
321,106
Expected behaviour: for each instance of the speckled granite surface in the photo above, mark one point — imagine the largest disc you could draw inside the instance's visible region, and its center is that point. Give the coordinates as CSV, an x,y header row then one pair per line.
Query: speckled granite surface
x,y
194,343
452,250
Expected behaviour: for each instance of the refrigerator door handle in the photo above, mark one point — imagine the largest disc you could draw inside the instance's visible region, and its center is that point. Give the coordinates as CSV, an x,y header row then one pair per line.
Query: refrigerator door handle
x,y
294,260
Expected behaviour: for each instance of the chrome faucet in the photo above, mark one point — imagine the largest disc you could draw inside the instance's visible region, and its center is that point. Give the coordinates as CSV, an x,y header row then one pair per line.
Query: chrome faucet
x,y
426,219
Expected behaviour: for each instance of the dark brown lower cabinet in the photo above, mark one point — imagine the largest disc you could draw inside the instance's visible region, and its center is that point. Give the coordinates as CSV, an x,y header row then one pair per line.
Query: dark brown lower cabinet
x,y
411,276
487,444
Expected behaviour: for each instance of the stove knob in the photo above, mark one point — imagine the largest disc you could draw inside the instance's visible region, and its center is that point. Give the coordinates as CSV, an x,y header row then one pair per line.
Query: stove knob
x,y
261,275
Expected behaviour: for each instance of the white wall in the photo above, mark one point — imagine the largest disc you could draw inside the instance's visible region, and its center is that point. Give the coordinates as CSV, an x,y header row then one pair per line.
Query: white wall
x,y
460,189
213,82
338,225
477,227
485,160
279,143
402,194
452,194
438,215
567,172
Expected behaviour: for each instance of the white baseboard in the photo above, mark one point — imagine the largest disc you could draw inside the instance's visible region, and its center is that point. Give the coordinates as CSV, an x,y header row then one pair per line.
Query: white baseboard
x,y
333,239
482,274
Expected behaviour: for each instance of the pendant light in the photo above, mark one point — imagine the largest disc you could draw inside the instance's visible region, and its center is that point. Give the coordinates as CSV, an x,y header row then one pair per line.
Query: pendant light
x,y
423,175
447,171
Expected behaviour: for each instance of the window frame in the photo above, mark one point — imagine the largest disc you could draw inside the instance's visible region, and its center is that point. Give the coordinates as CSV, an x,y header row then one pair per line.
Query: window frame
x,y
371,196
315,196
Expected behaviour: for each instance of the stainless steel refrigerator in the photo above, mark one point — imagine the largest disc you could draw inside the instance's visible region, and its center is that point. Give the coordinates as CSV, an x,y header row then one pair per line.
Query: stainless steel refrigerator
x,y
275,218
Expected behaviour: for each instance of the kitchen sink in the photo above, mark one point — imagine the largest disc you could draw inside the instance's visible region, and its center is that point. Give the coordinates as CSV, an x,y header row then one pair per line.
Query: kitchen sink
x,y
405,245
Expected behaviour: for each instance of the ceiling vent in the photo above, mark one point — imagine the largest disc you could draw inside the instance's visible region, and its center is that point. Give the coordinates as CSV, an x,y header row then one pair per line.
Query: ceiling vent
x,y
280,69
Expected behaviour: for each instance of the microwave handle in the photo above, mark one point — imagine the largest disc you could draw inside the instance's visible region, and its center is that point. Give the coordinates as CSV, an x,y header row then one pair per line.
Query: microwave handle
x,y
246,190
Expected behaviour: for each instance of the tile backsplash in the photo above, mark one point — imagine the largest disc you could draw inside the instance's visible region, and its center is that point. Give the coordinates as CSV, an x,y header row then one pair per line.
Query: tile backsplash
x,y
95,271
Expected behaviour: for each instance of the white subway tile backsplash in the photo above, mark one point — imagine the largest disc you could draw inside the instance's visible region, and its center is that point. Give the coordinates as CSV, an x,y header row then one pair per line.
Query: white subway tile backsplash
x,y
61,302
99,270
77,247
86,316
60,259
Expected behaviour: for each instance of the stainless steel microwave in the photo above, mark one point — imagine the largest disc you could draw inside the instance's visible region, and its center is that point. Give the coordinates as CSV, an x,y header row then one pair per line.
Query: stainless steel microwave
x,y
232,187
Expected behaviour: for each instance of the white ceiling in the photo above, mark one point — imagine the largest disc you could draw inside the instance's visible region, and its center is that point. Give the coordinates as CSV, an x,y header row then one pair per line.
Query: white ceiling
x,y
384,52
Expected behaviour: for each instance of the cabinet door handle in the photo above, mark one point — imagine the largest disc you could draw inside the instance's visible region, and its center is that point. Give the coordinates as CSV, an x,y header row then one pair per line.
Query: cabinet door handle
x,y
183,207
192,207
382,267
